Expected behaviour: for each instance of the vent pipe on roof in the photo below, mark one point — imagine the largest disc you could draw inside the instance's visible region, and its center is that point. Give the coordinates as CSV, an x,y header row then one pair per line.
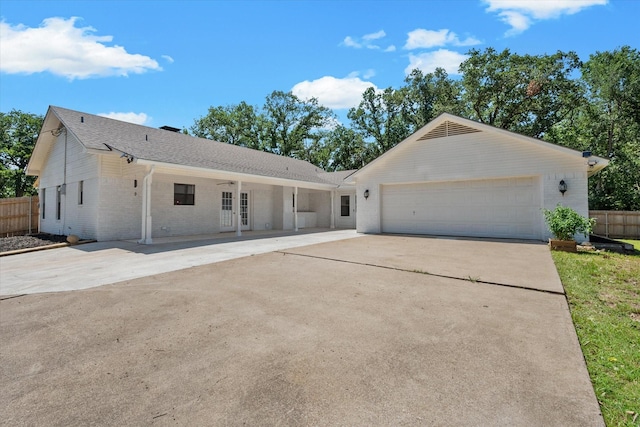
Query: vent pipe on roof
x,y
81,119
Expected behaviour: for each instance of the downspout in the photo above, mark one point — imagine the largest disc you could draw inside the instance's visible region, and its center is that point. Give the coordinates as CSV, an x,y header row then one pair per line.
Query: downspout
x,y
146,208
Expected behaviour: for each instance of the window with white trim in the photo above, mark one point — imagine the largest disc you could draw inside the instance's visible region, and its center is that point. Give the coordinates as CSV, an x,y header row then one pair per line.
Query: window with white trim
x,y
58,202
345,207
184,194
43,202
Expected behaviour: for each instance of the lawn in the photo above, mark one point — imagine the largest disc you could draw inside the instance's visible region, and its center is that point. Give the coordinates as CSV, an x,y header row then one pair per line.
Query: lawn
x,y
603,290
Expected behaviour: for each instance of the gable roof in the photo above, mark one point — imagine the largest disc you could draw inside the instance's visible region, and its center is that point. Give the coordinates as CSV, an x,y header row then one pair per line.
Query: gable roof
x,y
450,125
337,177
101,134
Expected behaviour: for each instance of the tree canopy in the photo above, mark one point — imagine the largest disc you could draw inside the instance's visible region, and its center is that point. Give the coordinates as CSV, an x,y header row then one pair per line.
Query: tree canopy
x,y
18,133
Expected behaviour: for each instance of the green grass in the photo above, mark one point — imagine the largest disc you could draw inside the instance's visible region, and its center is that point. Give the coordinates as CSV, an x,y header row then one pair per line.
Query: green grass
x,y
635,243
603,290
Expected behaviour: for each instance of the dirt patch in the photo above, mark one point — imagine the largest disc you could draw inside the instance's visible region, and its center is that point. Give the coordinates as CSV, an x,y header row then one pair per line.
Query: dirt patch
x,y
32,241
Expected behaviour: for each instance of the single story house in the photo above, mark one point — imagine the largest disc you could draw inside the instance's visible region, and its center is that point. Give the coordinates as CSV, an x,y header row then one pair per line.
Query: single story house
x,y
106,179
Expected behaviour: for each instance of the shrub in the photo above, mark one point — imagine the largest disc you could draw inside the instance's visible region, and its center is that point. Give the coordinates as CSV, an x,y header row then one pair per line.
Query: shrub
x,y
564,223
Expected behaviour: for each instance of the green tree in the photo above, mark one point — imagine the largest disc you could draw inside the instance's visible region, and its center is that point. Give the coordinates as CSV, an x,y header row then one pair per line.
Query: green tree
x,y
233,124
428,95
348,149
19,135
522,93
612,125
380,120
290,125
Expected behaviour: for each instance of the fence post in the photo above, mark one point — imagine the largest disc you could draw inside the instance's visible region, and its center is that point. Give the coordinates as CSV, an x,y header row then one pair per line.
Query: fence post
x,y
606,224
30,216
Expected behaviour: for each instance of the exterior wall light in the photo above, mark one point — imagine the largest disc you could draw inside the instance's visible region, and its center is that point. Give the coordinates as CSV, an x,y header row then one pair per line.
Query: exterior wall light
x,y
366,194
562,187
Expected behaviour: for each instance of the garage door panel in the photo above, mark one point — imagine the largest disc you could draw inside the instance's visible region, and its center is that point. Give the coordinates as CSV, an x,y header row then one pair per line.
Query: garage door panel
x,y
491,208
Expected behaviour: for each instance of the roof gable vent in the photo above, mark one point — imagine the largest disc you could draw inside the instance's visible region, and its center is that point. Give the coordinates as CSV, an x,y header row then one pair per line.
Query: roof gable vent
x,y
447,129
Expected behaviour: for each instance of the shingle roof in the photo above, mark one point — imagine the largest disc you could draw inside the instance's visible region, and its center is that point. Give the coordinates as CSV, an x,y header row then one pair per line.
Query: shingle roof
x,y
337,177
143,142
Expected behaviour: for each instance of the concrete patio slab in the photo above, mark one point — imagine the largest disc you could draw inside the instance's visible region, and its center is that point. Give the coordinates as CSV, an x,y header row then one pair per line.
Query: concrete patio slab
x,y
95,264
516,263
282,339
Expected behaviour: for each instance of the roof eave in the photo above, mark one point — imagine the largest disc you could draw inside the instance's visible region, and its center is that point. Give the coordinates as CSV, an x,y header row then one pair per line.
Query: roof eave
x,y
238,176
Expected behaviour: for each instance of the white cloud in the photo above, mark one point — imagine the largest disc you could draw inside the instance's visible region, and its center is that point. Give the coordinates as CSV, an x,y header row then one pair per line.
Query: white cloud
x,y
519,14
428,62
369,73
59,47
137,118
516,20
333,92
367,41
167,58
421,38
374,36
350,42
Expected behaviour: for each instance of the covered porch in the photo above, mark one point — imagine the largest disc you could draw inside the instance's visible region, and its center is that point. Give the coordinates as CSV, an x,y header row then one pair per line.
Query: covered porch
x,y
183,202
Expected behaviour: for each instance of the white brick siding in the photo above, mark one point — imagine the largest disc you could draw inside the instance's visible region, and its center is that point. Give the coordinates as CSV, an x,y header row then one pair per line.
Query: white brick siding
x,y
482,155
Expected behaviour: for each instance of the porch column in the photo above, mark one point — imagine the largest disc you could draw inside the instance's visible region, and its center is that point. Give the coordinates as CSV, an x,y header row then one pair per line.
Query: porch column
x,y
295,209
146,208
333,210
238,213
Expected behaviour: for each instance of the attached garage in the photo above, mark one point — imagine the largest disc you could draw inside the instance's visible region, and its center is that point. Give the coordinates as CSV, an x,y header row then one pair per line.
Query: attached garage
x,y
507,208
457,177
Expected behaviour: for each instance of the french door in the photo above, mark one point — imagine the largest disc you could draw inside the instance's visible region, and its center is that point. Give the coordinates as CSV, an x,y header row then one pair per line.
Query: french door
x,y
228,215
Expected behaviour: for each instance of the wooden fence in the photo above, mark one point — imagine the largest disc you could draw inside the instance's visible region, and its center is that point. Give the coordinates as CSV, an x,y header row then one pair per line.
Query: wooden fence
x,y
19,215
617,224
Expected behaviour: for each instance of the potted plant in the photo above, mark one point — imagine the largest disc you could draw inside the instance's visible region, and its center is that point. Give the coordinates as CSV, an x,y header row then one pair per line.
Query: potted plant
x,y
564,223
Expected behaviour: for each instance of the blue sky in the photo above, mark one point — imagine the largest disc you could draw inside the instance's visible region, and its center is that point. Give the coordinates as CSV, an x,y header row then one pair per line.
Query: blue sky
x,y
165,62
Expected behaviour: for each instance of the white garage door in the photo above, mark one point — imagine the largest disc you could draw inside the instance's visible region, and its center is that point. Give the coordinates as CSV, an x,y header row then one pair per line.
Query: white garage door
x,y
507,208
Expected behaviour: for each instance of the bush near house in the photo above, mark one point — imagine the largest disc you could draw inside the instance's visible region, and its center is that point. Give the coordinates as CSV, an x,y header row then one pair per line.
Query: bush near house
x,y
603,290
564,223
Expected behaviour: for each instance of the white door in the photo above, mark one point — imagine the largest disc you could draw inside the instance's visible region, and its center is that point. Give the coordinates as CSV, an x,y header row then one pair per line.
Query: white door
x,y
228,212
503,208
244,212
346,211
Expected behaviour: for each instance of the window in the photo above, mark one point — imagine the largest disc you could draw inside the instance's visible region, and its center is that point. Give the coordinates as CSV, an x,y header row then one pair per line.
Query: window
x,y
344,206
81,192
43,205
58,202
184,194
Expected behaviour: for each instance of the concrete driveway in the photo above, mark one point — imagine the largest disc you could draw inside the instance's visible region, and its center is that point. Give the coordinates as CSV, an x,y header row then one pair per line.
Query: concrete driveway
x,y
379,330
89,265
